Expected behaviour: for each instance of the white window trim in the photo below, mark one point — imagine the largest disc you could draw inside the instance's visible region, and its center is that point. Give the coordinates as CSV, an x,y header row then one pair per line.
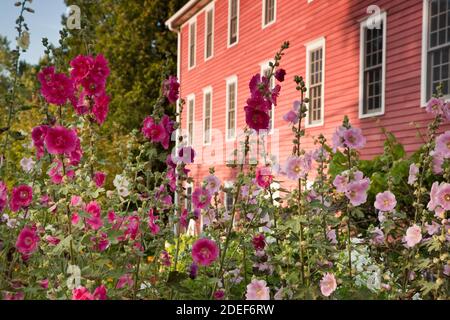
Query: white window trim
x,y
310,46
205,91
229,80
229,24
361,69
264,14
227,185
208,8
265,65
191,22
189,98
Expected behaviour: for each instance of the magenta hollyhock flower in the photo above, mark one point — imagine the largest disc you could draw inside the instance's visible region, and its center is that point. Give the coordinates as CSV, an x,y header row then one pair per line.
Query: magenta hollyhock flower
x,y
413,171
125,280
168,124
256,119
100,293
443,145
154,228
27,241
165,258
81,293
100,70
171,89
201,198
60,140
56,171
193,270
219,294
101,242
56,88
158,132
259,242
435,106
357,191
257,290
413,236
328,284
81,66
101,108
38,135
132,227
385,201
443,196
99,178
204,252
183,218
52,240
3,196
280,74
95,220
43,283
264,177
14,296
21,197
212,184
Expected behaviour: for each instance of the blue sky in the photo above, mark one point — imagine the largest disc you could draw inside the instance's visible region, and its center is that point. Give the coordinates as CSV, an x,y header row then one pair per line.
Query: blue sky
x,y
45,22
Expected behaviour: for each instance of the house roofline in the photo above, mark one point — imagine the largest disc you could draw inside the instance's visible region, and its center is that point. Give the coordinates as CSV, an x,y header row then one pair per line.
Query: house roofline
x,y
185,13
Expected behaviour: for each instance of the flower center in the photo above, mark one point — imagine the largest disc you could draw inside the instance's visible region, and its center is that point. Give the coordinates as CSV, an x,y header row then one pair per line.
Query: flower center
x,y
23,195
205,253
59,141
28,241
297,169
447,197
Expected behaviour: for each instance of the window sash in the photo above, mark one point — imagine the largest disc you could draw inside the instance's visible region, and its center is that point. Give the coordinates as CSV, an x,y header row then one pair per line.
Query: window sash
x,y
315,85
207,123
192,32
231,126
269,12
209,33
191,122
233,21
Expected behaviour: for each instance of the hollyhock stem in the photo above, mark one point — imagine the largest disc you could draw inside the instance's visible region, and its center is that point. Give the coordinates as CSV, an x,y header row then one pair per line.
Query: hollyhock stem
x,y
136,277
349,240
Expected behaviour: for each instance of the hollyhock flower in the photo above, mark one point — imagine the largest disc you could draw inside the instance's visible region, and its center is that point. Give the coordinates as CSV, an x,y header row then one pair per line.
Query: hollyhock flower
x,y
443,196
14,296
186,155
219,294
413,236
111,217
377,236
153,131
435,106
291,117
257,290
38,135
165,258
81,66
183,218
171,89
204,252
56,88
3,196
100,293
328,284
193,270
413,171
121,183
101,108
433,204
44,283
275,93
95,219
357,191
297,167
100,70
385,201
125,280
354,139
256,119
27,164
264,177
212,184
432,228
81,293
27,241
168,124
101,242
52,240
21,197
99,178
56,171
60,140
76,154
75,218
259,242
201,198
331,236
443,145
280,74
438,162
132,227
154,228
320,154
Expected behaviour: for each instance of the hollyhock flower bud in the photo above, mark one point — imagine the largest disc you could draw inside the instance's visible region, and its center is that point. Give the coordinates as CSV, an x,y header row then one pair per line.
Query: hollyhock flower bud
x,y
154,228
257,290
280,74
52,240
219,294
259,242
27,241
193,270
201,198
413,171
413,236
204,252
328,284
21,197
44,283
3,196
385,201
60,140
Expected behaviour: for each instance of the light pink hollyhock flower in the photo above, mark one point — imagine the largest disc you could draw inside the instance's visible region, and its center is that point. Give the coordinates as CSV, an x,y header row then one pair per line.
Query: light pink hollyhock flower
x,y
291,117
27,241
154,228
413,171
264,177
432,228
435,106
438,162
60,140
357,191
257,290
296,167
385,201
95,219
328,284
433,204
413,236
340,183
354,139
204,252
338,138
331,236
44,283
100,293
443,196
21,197
377,236
52,240
99,178
81,293
212,184
3,196
125,280
201,198
443,145
27,164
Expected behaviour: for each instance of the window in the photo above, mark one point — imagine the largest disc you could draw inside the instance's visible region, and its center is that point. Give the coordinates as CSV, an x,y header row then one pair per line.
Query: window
x,y
209,33
231,101
190,119
207,106
265,69
269,10
436,47
228,196
233,22
192,36
315,75
372,68
188,200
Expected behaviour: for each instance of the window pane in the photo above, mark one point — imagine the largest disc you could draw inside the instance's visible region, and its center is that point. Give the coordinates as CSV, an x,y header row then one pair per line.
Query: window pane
x,y
315,90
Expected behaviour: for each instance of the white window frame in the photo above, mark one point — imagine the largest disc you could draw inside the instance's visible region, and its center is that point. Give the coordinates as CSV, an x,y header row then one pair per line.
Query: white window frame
x,y
190,98
193,21
209,8
186,200
311,46
207,90
362,58
230,80
263,24
229,45
264,66
227,185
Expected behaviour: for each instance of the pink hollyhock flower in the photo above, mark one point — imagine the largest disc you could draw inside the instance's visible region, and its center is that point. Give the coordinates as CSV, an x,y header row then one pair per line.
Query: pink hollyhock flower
x,y
75,218
331,236
204,252
385,201
377,236
340,182
27,241
38,136
21,197
56,88
14,296
298,167
186,155
256,119
443,145
435,106
171,89
52,240
264,177
357,191
99,178
320,154
183,218
328,284
432,228
338,138
44,283
56,171
76,201
433,204
101,108
291,117
168,124
125,280
81,293
413,236
413,171
354,139
257,290
259,242
212,184
111,217
132,227
165,258
3,196
280,74
438,162
100,293
443,196
219,294
60,140
75,155
201,198
81,66
101,243
154,228
95,219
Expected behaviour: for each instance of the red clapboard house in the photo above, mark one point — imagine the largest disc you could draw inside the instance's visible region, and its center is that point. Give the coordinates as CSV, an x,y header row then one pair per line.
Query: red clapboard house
x,y
380,73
